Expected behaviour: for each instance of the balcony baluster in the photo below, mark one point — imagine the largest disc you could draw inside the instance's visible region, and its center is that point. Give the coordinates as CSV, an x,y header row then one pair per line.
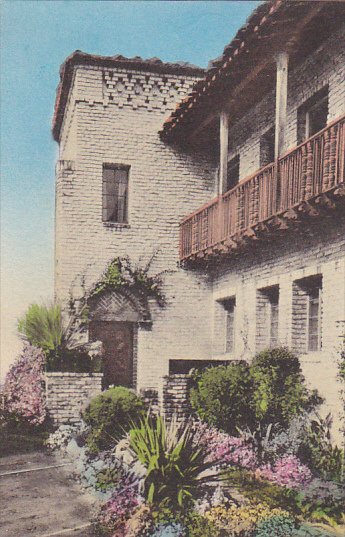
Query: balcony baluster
x,y
315,167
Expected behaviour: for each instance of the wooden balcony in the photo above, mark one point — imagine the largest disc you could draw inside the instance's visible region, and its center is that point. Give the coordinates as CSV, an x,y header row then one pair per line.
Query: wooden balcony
x,y
308,180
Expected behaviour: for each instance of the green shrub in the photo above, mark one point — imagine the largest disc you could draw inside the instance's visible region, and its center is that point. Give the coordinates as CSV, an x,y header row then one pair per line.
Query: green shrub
x,y
318,452
222,397
279,389
73,361
239,396
322,501
109,415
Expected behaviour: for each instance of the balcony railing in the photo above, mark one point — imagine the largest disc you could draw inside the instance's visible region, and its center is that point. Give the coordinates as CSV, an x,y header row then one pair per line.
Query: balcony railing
x,y
315,167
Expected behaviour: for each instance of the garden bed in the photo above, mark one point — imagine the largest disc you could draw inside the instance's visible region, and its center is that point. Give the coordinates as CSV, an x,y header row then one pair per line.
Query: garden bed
x,y
254,459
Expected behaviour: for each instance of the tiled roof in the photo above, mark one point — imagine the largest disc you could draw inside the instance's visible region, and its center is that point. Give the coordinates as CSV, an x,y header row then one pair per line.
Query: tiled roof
x,y
153,65
219,67
265,25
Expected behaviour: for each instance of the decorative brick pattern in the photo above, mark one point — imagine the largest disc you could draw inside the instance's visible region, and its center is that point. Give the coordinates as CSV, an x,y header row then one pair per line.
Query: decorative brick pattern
x,y
144,90
64,167
67,394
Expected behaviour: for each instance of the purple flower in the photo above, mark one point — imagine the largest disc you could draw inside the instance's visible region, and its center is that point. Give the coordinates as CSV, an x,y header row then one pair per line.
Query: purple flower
x,y
118,509
287,471
226,449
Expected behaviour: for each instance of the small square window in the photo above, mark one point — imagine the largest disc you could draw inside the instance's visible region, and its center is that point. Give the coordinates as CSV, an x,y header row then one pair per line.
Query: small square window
x,y
233,174
115,193
312,115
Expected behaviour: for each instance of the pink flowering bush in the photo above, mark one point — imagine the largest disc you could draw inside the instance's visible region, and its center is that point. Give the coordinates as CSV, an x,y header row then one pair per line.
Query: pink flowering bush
x,y
113,515
226,449
287,471
23,388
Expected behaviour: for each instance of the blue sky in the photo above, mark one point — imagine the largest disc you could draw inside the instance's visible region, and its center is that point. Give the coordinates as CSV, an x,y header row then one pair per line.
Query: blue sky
x,y
36,37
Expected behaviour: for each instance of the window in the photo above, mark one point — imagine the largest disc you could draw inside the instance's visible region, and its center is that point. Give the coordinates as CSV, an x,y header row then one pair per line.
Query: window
x,y
267,147
229,306
233,174
267,317
115,193
306,314
314,320
273,298
183,367
312,115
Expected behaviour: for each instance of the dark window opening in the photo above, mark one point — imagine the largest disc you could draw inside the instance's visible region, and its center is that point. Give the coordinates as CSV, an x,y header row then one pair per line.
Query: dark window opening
x,y
273,299
233,174
267,147
314,314
307,314
115,193
267,317
183,367
312,115
230,307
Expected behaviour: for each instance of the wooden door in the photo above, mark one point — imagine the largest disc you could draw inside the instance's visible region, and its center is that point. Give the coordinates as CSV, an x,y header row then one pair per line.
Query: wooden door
x,y
117,339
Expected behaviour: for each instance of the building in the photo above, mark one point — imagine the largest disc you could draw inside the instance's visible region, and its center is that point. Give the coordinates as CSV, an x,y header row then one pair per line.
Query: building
x,y
240,193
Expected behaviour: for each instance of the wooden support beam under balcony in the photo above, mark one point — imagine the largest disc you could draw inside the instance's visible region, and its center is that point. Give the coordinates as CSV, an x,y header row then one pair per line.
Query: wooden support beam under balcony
x,y
282,60
307,182
223,150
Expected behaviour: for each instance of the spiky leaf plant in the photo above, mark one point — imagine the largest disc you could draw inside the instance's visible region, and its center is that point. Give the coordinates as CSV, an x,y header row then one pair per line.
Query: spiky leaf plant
x,y
176,467
59,335
42,326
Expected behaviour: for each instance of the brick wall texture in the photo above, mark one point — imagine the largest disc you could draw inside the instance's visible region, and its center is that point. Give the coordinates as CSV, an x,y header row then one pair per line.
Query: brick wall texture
x,y
164,186
67,394
175,397
113,116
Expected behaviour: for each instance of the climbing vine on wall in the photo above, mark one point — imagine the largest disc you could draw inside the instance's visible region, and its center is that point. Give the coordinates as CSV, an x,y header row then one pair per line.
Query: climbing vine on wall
x,y
341,378
123,273
341,362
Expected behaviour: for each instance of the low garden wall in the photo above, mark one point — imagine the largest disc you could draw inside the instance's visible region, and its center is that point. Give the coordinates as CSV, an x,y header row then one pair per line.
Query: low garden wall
x,y
67,394
151,399
175,396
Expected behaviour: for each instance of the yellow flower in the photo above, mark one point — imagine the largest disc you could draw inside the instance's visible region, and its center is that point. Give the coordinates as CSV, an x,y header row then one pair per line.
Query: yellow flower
x,y
236,519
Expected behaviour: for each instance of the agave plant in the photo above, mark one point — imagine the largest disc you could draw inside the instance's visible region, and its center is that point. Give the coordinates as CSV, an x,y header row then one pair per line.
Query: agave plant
x,y
42,326
176,468
58,334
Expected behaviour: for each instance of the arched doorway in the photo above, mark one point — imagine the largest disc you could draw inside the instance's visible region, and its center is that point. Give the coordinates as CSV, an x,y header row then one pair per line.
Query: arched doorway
x,y
114,318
